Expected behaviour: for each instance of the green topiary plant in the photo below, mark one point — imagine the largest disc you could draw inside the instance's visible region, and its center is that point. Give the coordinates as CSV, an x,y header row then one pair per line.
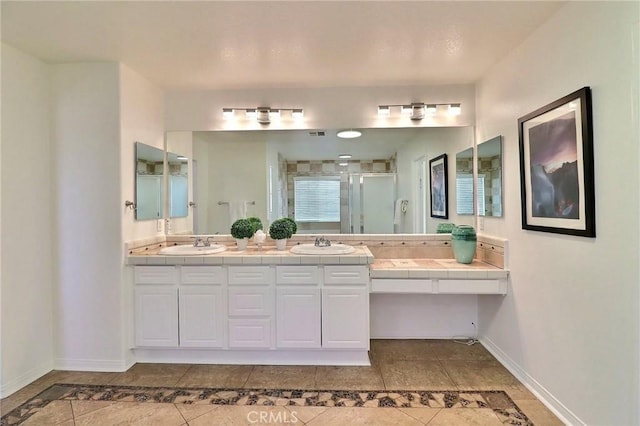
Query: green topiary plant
x,y
242,228
256,223
280,229
292,223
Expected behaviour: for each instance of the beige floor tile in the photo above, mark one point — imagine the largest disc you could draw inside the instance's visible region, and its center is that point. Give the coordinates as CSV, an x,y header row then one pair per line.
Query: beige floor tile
x,y
465,417
80,408
226,415
193,411
85,377
538,413
151,375
402,350
54,413
451,350
423,415
216,376
32,389
415,375
475,374
305,414
133,413
364,416
349,378
281,377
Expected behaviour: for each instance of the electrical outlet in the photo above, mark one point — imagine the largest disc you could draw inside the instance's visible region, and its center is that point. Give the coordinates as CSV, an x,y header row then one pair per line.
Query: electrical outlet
x,y
159,225
481,223
168,225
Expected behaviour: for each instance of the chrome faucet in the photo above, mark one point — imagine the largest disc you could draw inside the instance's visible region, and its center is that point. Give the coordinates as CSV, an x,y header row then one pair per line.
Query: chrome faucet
x,y
322,242
198,241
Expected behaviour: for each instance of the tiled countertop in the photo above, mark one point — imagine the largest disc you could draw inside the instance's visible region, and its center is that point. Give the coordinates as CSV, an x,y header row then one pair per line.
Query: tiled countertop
x,y
268,255
434,268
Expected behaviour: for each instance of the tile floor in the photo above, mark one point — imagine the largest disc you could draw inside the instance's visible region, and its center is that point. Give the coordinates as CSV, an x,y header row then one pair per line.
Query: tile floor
x,y
396,365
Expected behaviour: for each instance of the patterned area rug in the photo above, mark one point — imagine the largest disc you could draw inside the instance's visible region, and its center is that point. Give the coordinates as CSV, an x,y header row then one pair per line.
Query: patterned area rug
x,y
504,407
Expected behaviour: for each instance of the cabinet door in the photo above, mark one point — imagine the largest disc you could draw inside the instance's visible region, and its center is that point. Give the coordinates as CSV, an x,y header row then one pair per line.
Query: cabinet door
x,y
250,333
156,315
345,318
298,318
202,316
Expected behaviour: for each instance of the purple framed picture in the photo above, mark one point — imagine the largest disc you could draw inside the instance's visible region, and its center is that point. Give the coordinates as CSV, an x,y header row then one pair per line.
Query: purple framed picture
x,y
556,167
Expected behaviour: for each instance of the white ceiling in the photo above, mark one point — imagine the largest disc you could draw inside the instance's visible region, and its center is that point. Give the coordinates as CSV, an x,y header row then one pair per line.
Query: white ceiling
x,y
266,44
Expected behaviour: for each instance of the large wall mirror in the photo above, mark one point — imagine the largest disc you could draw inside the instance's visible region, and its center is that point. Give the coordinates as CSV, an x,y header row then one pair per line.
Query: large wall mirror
x,y
149,182
464,182
276,173
490,177
178,189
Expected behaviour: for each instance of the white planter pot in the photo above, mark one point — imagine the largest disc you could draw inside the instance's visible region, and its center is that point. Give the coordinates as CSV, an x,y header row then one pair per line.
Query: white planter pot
x,y
281,244
242,243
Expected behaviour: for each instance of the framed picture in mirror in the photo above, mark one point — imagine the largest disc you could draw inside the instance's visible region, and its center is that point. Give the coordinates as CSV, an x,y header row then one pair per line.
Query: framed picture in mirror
x,y
556,167
439,187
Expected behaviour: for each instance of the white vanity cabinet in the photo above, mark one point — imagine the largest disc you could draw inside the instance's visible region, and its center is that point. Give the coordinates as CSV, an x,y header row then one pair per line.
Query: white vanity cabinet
x,y
298,307
345,307
156,306
202,306
251,307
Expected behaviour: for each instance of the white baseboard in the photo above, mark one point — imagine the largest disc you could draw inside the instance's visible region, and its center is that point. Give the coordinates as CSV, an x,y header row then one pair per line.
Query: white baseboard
x,y
546,397
24,379
100,365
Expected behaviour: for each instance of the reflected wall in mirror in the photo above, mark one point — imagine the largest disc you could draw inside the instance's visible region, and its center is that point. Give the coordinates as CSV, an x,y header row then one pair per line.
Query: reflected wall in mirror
x,y
490,177
261,168
178,166
464,182
149,182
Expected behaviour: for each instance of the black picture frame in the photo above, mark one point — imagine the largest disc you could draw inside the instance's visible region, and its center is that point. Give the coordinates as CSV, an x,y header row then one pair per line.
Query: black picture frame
x,y
556,167
439,187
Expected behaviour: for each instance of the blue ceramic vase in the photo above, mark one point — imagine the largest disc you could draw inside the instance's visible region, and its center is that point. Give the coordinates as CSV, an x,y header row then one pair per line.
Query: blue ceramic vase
x,y
464,241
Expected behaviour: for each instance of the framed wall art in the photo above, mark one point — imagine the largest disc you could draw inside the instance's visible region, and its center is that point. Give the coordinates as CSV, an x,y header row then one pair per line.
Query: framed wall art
x,y
556,167
439,187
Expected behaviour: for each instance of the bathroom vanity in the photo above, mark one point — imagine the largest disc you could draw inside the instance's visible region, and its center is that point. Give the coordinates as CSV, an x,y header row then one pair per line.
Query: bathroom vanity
x,y
265,306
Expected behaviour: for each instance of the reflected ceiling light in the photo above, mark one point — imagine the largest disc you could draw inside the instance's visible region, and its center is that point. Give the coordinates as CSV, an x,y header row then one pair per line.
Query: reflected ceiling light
x,y
264,115
349,134
343,164
344,156
454,109
384,111
418,110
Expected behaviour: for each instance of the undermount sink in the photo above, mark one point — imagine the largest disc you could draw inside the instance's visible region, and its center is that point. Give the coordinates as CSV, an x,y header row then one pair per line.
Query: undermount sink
x,y
322,250
190,250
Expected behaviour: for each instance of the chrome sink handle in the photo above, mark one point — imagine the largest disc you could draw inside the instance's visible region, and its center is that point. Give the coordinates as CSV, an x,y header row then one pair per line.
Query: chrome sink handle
x,y
197,241
322,242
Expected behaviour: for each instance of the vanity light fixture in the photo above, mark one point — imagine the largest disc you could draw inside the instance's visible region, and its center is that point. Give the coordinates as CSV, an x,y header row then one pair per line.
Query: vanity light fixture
x,y
343,164
344,156
263,115
418,110
349,134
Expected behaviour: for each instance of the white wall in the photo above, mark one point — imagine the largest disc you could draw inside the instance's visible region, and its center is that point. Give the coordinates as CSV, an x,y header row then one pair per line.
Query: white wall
x,y
569,325
242,179
26,263
142,120
432,143
88,250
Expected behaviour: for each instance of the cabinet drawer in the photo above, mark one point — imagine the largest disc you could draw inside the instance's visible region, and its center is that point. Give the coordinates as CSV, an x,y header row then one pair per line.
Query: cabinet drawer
x,y
202,275
250,275
295,275
349,275
250,301
155,274
468,287
250,333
